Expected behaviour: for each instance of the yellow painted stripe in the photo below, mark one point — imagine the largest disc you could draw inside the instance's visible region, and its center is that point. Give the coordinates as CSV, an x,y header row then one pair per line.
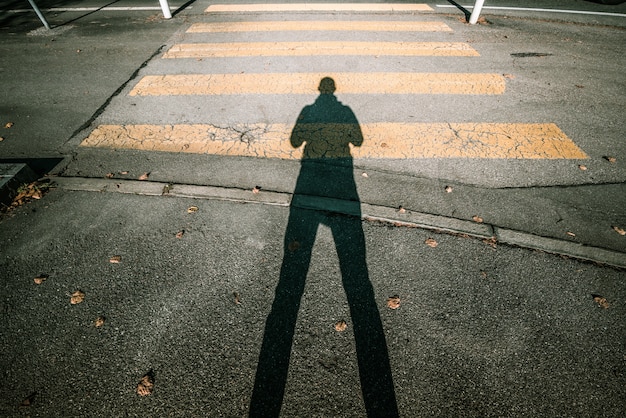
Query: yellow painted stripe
x,y
381,140
379,26
307,83
319,7
298,49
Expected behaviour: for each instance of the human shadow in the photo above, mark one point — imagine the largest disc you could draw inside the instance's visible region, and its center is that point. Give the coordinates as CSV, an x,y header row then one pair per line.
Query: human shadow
x,y
327,128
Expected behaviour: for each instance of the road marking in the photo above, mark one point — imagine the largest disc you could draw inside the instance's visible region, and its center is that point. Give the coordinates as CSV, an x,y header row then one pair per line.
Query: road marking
x,y
273,26
300,49
307,83
95,9
319,7
532,9
381,140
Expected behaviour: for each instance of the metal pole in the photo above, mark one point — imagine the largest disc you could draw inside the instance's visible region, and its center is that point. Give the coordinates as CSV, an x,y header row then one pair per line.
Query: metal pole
x,y
166,9
476,11
41,17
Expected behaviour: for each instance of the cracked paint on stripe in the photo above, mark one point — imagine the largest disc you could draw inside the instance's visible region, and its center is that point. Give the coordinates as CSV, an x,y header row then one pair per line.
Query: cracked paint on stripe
x,y
352,26
319,7
300,49
307,83
381,140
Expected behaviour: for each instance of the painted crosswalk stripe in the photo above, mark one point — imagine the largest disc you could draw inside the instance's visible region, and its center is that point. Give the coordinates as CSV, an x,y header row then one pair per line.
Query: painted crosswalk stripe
x,y
380,140
307,83
352,26
319,7
301,49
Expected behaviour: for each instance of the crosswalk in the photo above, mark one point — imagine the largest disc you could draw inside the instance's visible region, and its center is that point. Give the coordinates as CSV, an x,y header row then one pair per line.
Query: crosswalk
x,y
443,138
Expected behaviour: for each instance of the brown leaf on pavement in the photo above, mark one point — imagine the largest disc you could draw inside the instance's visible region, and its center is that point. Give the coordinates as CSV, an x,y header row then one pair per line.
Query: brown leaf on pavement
x,y
401,209
77,297
192,209
601,301
571,234
9,125
116,259
124,172
619,230
180,234
509,76
582,167
477,219
1,139
492,242
341,326
28,401
448,189
431,242
256,189
109,175
41,278
610,159
293,246
365,175
237,298
393,302
99,321
144,176
146,384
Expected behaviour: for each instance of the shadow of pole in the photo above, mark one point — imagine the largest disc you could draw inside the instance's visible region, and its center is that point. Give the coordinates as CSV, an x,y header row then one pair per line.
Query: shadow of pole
x,y
327,128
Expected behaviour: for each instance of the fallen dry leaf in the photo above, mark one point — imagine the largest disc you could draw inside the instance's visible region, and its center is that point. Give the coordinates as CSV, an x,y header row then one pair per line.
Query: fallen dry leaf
x,y
29,400
509,76
401,210
41,278
192,209
116,259
431,242
293,246
477,219
256,189
9,125
484,274
610,159
237,298
123,172
582,167
77,297
146,384
144,176
449,189
393,302
601,301
571,234
492,242
109,175
341,326
99,321
1,139
180,234
364,175
619,230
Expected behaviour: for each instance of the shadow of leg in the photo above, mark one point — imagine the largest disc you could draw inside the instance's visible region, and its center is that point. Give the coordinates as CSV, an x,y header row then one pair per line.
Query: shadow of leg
x,y
273,366
371,346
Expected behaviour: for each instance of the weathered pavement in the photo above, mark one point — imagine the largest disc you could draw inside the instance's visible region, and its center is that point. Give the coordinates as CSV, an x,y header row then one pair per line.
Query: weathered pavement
x,y
484,328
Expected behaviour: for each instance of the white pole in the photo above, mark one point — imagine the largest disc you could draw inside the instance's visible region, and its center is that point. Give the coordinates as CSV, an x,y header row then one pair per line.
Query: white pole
x,y
166,9
476,11
39,14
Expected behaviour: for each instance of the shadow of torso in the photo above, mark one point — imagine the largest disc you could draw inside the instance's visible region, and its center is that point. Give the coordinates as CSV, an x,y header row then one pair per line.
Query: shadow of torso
x,y
328,129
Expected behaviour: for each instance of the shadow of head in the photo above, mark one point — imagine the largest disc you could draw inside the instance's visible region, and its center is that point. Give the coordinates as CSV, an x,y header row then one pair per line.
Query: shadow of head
x,y
327,86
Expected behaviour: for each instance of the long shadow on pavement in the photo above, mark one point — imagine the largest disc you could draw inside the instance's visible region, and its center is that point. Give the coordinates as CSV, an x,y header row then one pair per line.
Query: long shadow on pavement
x,y
327,128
